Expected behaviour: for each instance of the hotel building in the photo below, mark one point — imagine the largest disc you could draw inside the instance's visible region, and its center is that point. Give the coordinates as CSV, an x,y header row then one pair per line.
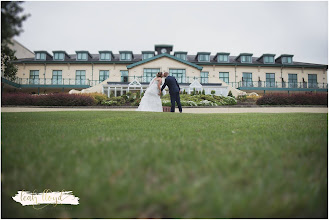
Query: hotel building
x,y
118,73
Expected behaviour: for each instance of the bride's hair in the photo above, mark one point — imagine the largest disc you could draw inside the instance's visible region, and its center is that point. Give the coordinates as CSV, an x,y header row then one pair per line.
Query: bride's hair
x,y
159,74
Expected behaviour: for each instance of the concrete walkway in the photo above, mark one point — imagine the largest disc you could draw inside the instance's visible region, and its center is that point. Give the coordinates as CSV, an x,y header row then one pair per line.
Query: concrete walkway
x,y
185,110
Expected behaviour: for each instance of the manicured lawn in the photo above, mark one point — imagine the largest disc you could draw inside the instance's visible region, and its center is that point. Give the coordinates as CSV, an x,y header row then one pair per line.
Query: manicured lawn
x,y
163,165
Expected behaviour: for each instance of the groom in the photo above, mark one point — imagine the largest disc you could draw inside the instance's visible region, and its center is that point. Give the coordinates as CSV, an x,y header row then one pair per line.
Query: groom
x,y
174,91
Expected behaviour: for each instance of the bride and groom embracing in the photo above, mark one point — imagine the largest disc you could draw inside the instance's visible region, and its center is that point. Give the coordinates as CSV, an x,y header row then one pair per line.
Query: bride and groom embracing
x,y
151,100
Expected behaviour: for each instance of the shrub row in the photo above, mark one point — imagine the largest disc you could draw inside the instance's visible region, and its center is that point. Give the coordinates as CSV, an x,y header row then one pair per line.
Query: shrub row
x,y
201,100
64,99
294,99
56,99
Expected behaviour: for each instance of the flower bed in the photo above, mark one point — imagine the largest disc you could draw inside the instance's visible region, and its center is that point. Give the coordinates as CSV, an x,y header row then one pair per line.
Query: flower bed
x,y
294,99
64,99
56,99
201,100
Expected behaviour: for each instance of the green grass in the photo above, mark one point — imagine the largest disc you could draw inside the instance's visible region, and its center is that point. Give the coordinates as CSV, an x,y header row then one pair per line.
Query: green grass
x,y
163,165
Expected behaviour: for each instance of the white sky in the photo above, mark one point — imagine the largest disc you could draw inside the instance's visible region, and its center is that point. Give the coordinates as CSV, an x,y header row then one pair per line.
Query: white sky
x,y
299,28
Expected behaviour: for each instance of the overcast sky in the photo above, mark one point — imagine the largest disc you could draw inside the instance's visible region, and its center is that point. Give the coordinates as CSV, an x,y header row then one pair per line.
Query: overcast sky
x,y
299,28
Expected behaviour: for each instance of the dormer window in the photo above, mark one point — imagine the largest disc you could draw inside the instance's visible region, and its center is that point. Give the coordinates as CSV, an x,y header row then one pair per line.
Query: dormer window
x,y
245,59
147,54
181,55
268,59
222,57
286,60
40,56
82,55
105,56
59,56
203,56
125,55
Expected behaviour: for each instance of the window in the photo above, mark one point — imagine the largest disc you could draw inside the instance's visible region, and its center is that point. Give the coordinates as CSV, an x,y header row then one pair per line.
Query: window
x,y
222,58
105,56
286,59
34,77
82,56
224,76
40,56
312,81
124,75
181,56
147,56
103,75
125,56
270,80
247,80
203,57
292,80
245,59
57,77
80,77
268,59
204,77
179,74
149,74
58,56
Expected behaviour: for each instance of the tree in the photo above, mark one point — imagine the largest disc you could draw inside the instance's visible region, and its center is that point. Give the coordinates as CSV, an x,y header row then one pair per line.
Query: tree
x,y
11,25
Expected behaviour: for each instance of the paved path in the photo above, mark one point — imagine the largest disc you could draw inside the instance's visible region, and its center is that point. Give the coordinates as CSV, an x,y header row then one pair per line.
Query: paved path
x,y
185,110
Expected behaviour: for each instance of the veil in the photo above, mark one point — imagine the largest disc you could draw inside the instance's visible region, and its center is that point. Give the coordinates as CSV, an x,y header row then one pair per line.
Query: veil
x,y
152,81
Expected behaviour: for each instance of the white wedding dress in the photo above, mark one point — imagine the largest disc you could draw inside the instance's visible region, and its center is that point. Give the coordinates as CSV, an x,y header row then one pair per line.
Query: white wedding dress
x,y
151,101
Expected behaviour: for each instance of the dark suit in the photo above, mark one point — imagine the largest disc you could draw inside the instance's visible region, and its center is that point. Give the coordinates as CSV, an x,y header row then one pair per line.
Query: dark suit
x,y
174,89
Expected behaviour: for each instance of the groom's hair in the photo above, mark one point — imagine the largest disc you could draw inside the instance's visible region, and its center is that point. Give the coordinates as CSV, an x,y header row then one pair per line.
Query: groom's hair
x,y
166,74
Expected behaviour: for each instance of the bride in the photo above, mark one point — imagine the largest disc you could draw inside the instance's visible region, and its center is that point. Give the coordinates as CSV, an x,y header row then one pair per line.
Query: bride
x,y
151,101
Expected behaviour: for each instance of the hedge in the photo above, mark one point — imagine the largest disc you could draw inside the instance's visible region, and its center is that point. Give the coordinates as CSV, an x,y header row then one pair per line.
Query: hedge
x,y
56,99
294,99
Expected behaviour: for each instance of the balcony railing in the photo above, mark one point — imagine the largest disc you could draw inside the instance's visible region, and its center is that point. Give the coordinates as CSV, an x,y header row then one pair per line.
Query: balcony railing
x,y
264,84
56,82
145,79
142,79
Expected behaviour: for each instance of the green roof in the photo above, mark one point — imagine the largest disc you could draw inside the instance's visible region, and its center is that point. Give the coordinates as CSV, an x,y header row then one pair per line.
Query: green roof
x,y
180,52
125,51
59,51
223,53
245,54
164,55
40,51
148,51
207,53
268,54
105,51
